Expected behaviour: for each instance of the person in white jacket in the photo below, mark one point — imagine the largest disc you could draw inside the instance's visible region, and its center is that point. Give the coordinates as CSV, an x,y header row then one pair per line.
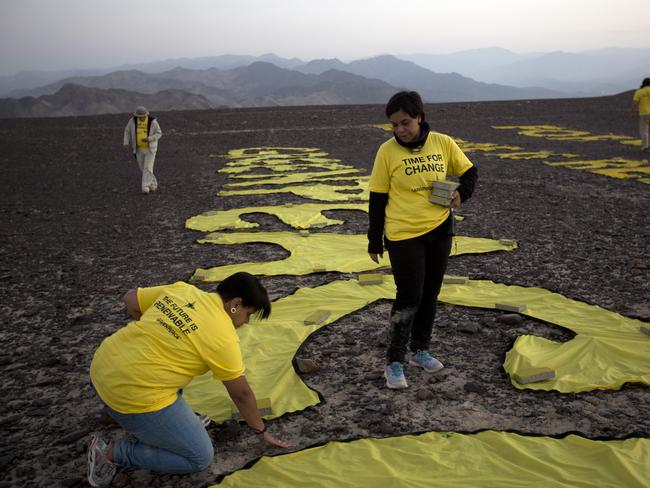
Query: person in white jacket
x,y
141,136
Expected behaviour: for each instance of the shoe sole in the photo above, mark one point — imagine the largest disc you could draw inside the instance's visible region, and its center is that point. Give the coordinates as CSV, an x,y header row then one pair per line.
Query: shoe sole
x,y
413,363
395,387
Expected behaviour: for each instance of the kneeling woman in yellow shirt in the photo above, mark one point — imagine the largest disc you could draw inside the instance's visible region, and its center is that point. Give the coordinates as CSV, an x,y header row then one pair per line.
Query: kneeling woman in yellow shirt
x,y
416,232
178,332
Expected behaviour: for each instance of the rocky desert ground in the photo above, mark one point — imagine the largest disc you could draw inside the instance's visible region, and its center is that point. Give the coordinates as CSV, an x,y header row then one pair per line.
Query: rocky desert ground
x,y
77,233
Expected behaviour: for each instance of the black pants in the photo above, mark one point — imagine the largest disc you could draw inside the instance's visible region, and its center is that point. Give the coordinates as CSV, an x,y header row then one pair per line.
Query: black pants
x,y
419,265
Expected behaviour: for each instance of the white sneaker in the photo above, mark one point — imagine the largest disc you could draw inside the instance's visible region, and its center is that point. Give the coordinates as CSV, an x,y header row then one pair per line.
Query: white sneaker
x,y
426,361
100,470
145,191
394,374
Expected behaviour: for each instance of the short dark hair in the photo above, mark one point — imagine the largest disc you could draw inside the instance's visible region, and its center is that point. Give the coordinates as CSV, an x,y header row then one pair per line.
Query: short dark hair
x,y
408,101
645,82
247,287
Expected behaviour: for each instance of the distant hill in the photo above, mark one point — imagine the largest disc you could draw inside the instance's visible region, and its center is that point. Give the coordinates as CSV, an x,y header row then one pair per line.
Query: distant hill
x,y
247,81
260,84
17,85
72,100
587,73
434,87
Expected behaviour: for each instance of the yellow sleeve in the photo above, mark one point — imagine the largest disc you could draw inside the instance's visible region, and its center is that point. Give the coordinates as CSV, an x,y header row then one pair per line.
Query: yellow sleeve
x,y
227,364
147,296
380,176
637,96
458,161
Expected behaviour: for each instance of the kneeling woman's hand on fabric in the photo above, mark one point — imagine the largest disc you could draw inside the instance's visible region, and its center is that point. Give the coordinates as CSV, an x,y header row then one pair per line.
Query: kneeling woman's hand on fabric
x,y
269,439
375,257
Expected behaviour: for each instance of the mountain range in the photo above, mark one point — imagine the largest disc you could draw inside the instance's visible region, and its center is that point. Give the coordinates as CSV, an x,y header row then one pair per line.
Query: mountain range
x,y
269,80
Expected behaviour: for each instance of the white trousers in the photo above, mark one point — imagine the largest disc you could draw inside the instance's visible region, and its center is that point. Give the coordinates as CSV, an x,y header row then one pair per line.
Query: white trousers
x,y
145,162
644,130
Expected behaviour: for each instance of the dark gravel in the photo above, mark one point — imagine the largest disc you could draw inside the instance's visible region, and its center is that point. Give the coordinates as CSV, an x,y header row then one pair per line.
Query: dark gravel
x,y
77,233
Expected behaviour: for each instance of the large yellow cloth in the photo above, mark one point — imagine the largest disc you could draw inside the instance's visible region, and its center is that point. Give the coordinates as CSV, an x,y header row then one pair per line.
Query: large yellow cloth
x,y
301,216
318,252
280,159
301,177
608,351
318,191
558,133
616,167
269,346
450,460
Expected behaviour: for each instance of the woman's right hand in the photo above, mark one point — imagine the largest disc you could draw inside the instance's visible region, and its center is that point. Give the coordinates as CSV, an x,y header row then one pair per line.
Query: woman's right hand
x,y
375,257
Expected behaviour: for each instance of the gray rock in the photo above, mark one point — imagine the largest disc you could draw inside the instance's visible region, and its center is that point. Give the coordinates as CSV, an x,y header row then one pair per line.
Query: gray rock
x,y
307,365
469,328
424,395
474,387
510,319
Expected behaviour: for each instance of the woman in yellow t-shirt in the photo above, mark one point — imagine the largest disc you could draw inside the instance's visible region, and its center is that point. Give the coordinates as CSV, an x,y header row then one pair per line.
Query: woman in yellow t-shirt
x,y
642,99
178,332
417,232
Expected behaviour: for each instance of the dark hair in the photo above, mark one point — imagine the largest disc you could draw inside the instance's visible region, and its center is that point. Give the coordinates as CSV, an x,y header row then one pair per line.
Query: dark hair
x,y
408,101
247,287
645,82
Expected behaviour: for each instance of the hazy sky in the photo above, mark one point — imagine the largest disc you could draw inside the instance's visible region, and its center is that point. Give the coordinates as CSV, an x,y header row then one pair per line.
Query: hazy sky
x,y
62,34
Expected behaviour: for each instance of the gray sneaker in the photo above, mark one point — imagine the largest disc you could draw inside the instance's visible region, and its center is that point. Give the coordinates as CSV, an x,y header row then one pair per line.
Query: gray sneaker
x,y
426,361
100,470
394,374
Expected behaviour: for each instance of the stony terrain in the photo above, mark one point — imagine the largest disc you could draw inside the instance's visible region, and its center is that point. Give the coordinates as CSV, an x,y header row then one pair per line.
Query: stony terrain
x,y
77,233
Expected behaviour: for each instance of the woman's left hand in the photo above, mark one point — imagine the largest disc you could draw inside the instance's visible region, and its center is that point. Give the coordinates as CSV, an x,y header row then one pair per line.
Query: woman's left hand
x,y
455,200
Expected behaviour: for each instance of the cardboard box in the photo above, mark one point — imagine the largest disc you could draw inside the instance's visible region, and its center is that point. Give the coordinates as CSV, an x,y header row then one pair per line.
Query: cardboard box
x,y
455,280
510,308
534,375
370,279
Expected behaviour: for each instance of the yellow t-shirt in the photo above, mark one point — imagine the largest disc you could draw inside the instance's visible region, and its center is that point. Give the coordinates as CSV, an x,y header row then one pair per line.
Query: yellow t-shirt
x,y
183,333
642,97
141,135
408,177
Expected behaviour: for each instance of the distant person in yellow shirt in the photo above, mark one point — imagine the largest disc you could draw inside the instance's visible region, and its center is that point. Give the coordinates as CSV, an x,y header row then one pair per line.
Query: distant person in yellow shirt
x,y
178,332
642,99
416,232
141,135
